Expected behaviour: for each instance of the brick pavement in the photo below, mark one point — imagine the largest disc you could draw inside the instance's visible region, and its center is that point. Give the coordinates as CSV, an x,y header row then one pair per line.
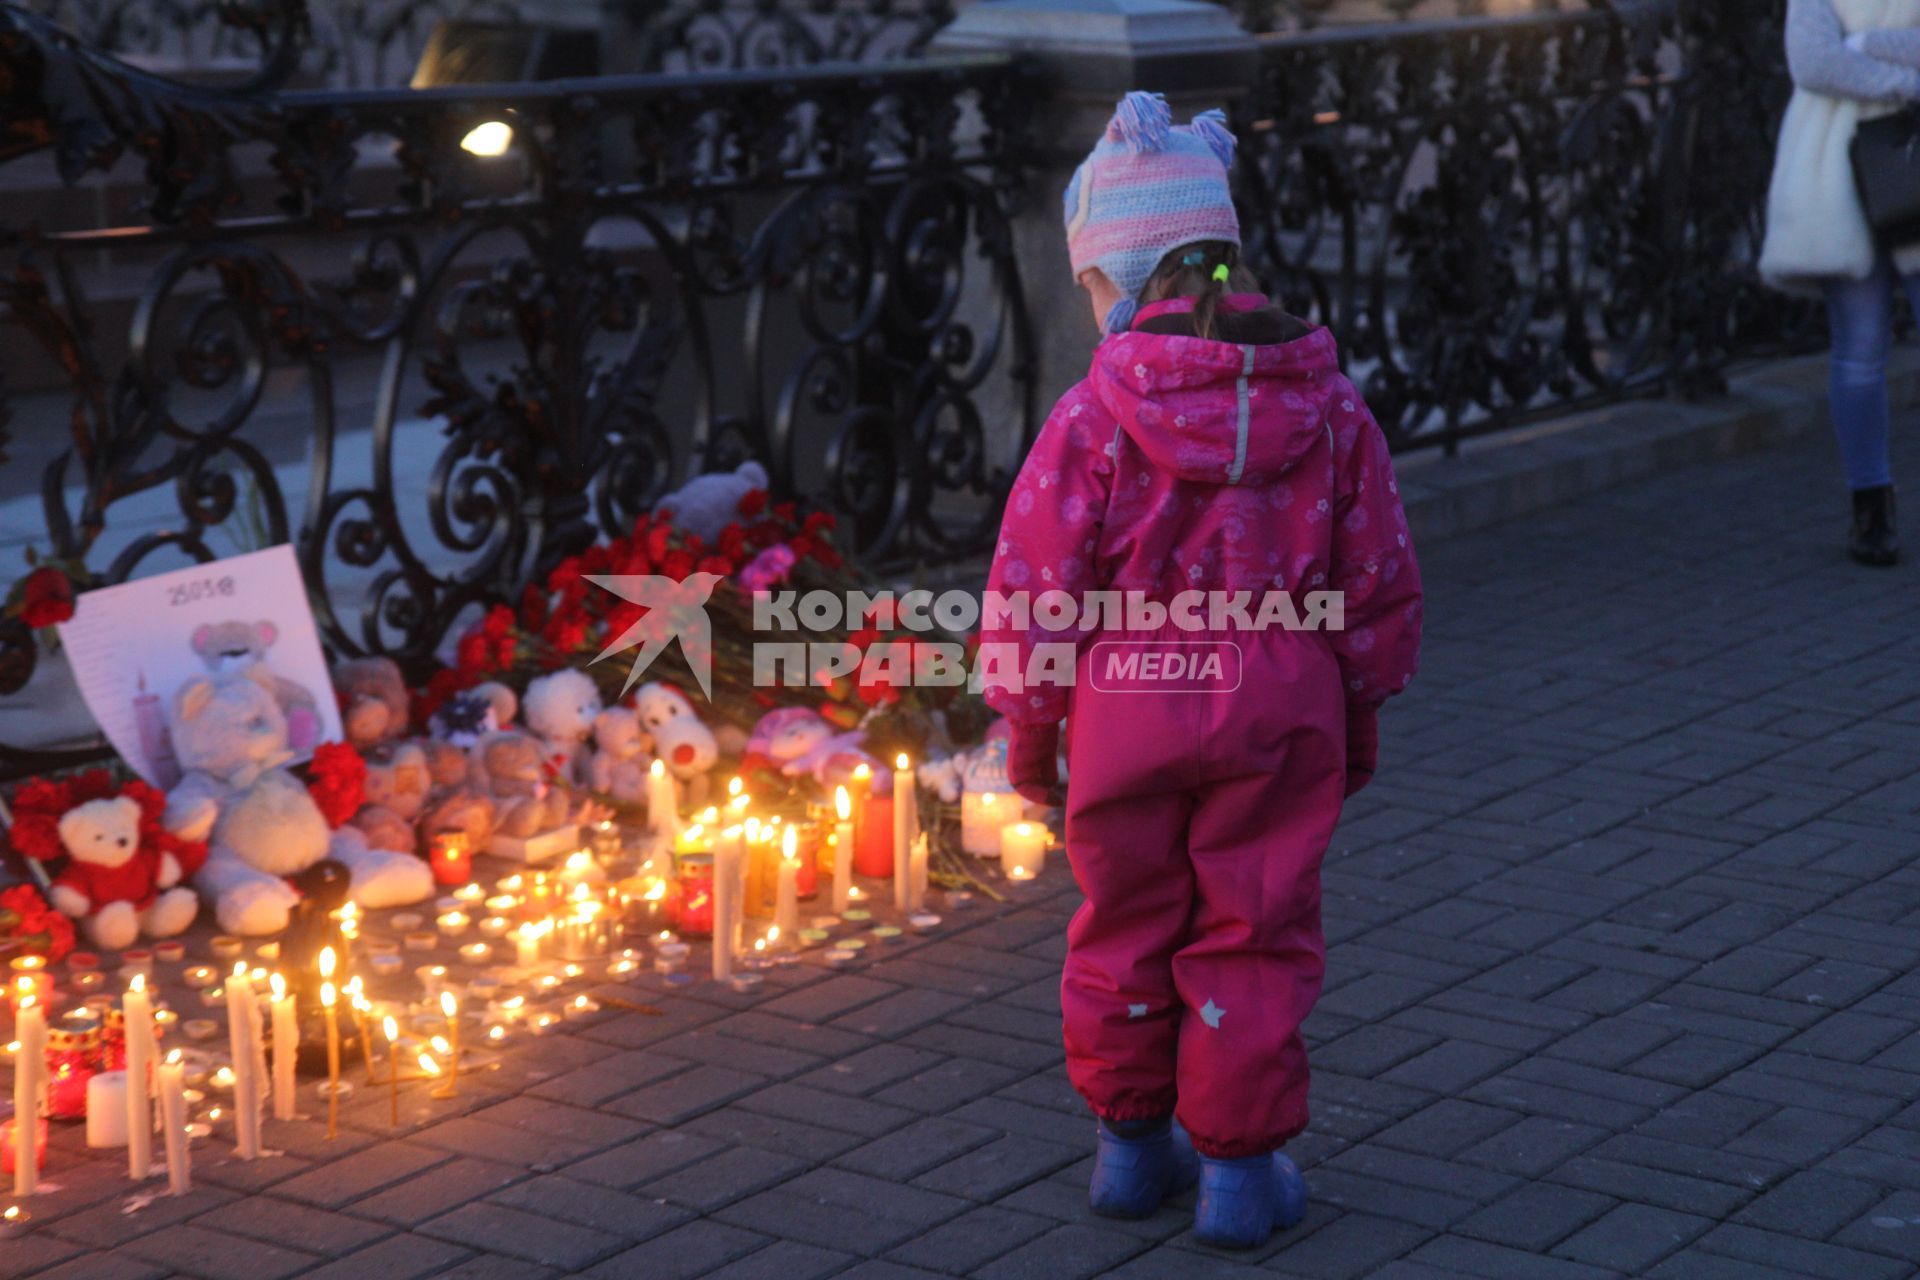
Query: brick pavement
x,y
1622,982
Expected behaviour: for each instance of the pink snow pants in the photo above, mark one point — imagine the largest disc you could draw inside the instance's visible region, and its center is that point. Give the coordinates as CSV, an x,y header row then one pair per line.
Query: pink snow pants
x,y
1196,824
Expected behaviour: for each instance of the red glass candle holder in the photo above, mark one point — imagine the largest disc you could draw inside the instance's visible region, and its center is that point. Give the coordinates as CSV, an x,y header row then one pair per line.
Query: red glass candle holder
x,y
873,838
8,1146
690,903
451,854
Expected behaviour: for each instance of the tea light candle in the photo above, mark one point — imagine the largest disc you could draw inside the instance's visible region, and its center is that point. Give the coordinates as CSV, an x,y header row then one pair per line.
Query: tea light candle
x,y
982,814
199,977
527,939
495,926
840,957
923,922
670,957
886,932
386,965
812,937
171,951
476,952
268,951
90,981
453,923
484,989
200,1028
746,982
1023,850
224,947
406,921
421,941
856,915
381,947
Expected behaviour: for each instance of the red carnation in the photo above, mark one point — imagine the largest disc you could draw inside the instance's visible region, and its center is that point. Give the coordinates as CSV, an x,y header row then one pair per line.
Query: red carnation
x,y
677,565
339,781
46,597
753,502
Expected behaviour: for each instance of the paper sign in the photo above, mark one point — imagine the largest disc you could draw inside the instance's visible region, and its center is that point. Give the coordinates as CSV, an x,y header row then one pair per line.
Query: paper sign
x,y
133,646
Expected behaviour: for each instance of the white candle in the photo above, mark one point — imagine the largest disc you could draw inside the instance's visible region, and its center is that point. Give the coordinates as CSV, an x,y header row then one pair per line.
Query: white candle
x,y
138,1006
729,855
662,815
286,1048
173,1124
786,897
903,831
917,873
526,942
1023,850
107,1110
29,1073
982,814
842,849
243,1031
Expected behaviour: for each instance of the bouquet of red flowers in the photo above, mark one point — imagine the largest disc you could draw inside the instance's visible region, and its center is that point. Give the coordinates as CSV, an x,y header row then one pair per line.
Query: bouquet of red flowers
x,y
30,925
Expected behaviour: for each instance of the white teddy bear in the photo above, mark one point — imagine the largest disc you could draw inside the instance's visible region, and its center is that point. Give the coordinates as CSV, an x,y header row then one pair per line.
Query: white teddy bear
x,y
709,503
261,824
559,709
115,884
618,767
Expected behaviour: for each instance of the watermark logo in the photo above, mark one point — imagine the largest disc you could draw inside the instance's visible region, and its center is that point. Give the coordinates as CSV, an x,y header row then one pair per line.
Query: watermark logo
x,y
1164,666
670,610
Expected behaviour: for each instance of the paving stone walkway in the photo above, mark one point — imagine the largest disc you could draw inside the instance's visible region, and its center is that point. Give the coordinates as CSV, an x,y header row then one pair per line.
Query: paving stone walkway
x,y
1622,982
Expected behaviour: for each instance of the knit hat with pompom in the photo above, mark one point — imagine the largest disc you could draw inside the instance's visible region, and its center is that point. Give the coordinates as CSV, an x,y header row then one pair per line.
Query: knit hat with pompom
x,y
1147,188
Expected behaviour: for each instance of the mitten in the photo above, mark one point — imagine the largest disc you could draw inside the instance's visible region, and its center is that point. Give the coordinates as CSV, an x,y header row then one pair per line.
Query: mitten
x,y
1033,762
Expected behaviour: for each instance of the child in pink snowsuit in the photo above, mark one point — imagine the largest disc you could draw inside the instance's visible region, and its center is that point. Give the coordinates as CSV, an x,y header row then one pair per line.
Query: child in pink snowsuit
x,y
1214,446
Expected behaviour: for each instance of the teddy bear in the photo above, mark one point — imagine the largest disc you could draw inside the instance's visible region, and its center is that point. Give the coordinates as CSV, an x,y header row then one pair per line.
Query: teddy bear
x,y
116,880
374,704
229,647
708,503
261,823
396,793
464,810
559,709
510,768
472,714
799,740
687,746
618,766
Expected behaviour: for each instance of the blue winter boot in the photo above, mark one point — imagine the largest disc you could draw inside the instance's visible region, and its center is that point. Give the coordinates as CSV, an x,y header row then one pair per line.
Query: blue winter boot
x,y
1138,1164
1242,1202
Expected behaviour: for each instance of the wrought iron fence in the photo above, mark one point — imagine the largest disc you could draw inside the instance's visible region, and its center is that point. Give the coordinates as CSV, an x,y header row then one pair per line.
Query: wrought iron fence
x,y
1507,217
1304,15
438,372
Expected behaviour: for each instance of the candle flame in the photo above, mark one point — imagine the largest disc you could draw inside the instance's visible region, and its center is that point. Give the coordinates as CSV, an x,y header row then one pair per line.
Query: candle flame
x,y
240,970
173,1059
863,772
353,987
391,1028
841,804
734,785
327,962
773,933
428,1065
27,1002
139,983
790,843
439,1045
656,892
279,987
327,994
901,762
496,1032
448,1005
658,768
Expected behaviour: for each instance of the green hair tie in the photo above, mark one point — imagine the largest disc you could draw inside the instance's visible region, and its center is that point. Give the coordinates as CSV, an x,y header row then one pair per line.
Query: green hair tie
x,y
1220,273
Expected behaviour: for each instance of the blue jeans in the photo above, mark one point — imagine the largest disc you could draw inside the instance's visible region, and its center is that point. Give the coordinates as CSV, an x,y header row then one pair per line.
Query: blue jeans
x,y
1860,313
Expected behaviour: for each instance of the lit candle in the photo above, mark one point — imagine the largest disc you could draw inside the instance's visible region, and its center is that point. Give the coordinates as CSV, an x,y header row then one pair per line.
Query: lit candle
x,y
450,1010
173,1124
842,849
786,897
327,998
527,942
392,1030
1023,850
917,873
729,859
981,816
453,923
286,1046
29,1071
662,816
903,832
138,1007
362,1007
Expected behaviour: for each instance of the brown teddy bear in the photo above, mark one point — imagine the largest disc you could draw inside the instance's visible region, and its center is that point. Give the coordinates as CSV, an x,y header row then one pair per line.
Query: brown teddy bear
x,y
510,767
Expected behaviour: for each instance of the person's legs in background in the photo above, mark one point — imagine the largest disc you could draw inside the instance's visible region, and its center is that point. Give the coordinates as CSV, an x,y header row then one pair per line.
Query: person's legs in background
x,y
1860,315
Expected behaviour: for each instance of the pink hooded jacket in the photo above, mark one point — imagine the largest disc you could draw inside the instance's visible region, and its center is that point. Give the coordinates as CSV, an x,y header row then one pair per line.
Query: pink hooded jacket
x,y
1184,463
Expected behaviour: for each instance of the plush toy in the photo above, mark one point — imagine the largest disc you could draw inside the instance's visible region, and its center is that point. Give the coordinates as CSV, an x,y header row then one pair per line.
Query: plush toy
x,y
374,706
464,810
396,794
468,716
799,741
509,767
227,648
116,881
262,824
559,709
618,766
679,738
708,503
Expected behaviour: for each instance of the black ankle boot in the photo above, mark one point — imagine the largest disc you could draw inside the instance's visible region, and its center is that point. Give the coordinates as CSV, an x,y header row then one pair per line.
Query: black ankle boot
x,y
1874,540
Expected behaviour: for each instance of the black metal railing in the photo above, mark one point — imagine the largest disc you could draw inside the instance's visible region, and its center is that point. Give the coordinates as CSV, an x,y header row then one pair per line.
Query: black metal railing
x,y
438,372
1509,217
1305,15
